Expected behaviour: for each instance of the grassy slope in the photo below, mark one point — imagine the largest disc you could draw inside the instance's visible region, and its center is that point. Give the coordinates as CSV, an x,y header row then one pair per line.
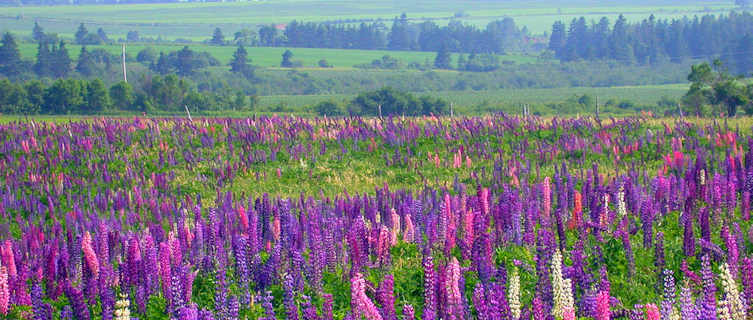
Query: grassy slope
x,y
197,20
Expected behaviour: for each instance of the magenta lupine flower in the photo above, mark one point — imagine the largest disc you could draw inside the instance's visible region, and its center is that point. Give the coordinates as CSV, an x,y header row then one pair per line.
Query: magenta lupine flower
x,y
602,306
360,302
408,312
4,290
327,305
747,277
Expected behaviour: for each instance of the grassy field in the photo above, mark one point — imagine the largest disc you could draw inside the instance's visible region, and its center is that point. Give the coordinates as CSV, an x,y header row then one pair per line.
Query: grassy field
x,y
271,56
508,100
197,20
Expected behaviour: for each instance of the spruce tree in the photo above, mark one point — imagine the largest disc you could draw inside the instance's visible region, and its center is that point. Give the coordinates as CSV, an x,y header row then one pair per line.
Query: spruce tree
x,y
239,64
218,38
61,61
43,66
10,57
81,34
85,64
38,33
443,59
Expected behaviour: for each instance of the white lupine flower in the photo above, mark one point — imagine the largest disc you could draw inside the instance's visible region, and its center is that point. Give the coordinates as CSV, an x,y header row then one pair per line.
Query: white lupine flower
x,y
513,295
621,210
563,299
121,308
702,176
722,309
733,302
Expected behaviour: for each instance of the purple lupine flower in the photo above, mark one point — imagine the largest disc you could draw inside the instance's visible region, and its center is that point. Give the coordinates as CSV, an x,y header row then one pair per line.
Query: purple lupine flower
x,y
269,309
309,311
479,302
668,303
80,310
107,300
747,277
39,308
66,313
327,306
386,297
688,309
291,308
408,312
688,246
708,304
430,291
233,308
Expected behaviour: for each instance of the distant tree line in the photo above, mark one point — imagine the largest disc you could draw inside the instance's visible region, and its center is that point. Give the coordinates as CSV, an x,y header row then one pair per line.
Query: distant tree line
x,y
497,37
654,40
80,96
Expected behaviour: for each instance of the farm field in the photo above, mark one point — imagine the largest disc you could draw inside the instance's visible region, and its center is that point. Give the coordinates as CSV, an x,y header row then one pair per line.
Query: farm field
x,y
271,56
197,20
278,217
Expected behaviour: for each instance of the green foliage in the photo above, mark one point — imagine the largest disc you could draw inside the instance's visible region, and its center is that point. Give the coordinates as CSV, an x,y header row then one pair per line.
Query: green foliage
x,y
156,308
328,108
390,102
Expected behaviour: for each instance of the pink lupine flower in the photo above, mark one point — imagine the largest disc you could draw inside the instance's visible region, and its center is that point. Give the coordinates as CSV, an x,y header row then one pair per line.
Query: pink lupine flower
x,y
4,290
547,196
409,229
395,227
360,301
468,227
652,312
454,298
90,255
8,259
602,306
568,313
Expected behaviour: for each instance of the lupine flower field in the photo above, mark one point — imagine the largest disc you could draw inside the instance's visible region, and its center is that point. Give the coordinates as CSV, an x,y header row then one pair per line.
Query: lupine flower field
x,y
495,217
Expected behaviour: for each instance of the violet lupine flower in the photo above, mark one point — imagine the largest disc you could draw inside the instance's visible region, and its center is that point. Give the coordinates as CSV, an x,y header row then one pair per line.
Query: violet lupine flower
x,y
708,304
747,277
386,297
233,308
269,309
66,313
430,291
479,302
80,310
688,246
291,308
327,307
668,303
39,308
688,309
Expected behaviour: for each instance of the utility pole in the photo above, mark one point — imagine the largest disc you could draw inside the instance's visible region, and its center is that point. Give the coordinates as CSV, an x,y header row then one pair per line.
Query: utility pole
x,y
597,107
679,108
189,113
123,60
380,111
452,114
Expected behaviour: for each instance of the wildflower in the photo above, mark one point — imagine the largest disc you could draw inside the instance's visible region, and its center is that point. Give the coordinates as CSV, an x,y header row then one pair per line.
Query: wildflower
x,y
514,294
121,308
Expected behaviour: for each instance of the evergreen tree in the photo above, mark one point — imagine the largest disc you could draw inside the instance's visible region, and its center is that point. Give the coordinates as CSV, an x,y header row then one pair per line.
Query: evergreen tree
x,y
85,64
558,38
218,38
286,62
619,45
162,66
443,59
400,38
10,57
102,36
185,63
43,66
61,61
240,65
461,62
81,34
37,33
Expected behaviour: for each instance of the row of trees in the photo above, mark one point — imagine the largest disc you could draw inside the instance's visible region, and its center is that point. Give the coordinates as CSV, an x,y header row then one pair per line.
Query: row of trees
x,y
655,40
66,96
497,37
